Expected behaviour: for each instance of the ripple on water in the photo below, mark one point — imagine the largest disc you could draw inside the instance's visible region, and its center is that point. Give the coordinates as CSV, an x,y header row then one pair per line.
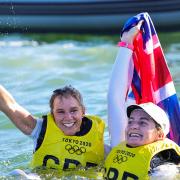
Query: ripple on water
x,y
32,67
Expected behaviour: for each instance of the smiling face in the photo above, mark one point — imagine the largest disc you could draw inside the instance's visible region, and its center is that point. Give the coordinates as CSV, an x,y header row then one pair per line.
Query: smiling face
x,y
68,114
141,129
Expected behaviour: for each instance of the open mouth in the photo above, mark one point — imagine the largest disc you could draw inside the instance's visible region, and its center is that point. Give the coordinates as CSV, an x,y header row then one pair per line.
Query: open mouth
x,y
69,124
134,135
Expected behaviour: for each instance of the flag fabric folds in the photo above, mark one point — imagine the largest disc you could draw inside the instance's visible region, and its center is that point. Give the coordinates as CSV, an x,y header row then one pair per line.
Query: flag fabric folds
x,y
152,81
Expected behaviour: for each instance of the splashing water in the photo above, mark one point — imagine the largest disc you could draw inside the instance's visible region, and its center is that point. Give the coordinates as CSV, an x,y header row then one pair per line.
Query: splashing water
x,y
32,66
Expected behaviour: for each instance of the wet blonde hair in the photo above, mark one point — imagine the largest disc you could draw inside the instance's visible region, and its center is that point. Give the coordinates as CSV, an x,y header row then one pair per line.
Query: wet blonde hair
x,y
66,91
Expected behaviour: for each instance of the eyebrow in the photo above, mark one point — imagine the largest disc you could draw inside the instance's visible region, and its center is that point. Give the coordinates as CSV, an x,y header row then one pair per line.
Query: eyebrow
x,y
74,107
142,118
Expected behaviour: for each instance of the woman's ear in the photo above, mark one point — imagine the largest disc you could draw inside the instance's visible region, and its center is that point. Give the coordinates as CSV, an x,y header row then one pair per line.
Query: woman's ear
x,y
161,134
83,110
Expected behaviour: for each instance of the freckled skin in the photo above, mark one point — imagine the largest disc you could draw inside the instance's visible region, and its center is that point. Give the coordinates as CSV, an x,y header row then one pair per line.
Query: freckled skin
x,y
68,114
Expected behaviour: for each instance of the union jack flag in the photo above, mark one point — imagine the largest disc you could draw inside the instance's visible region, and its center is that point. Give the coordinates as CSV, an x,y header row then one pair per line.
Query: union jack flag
x,y
152,81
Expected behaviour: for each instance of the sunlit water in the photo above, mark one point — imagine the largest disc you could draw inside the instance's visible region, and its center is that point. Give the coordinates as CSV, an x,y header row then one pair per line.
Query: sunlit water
x,y
32,66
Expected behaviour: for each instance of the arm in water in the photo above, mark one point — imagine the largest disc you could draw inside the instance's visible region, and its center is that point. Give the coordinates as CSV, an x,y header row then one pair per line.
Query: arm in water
x,y
120,82
16,113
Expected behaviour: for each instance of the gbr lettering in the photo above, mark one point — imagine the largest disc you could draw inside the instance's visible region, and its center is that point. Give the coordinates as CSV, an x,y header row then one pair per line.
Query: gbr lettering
x,y
113,174
67,162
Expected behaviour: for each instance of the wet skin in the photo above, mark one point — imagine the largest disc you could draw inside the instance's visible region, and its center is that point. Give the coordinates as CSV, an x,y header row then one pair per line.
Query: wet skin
x,y
68,114
141,129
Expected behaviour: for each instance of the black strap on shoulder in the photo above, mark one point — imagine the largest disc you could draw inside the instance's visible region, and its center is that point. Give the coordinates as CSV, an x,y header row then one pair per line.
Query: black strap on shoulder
x,y
42,133
85,127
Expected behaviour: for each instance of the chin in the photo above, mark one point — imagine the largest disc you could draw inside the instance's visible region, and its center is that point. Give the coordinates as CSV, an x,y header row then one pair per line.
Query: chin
x,y
69,133
134,144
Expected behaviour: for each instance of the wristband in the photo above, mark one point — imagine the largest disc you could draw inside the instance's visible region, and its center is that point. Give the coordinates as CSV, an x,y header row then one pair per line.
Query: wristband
x,y
126,45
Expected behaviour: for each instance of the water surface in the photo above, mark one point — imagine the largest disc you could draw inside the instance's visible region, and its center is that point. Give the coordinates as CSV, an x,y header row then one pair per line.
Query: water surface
x,y
33,65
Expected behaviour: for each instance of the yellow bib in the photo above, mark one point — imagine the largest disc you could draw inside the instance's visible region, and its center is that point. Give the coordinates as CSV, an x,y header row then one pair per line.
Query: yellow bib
x,y
62,152
134,163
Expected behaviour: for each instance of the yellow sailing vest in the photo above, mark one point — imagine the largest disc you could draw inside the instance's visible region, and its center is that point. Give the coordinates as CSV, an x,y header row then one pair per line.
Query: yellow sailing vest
x,y
59,151
134,163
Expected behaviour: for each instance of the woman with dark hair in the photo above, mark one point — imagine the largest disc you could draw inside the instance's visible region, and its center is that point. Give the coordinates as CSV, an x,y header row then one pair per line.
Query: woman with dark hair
x,y
141,146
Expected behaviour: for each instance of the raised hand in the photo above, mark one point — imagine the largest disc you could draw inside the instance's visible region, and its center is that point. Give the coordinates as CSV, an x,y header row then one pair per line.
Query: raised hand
x,y
129,36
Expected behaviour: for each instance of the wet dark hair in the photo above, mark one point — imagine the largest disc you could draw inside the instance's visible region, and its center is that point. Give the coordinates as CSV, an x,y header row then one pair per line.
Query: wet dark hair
x,y
66,91
158,126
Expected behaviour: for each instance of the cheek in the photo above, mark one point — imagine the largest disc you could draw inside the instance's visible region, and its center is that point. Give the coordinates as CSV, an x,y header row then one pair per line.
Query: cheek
x,y
155,134
126,132
79,116
54,115
152,135
57,117
79,119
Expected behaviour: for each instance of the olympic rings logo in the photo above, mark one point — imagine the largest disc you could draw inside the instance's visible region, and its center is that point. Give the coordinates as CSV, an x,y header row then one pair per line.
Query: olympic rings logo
x,y
75,149
120,158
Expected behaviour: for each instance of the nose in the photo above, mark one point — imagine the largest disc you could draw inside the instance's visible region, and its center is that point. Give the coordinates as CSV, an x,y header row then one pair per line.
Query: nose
x,y
134,125
68,115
